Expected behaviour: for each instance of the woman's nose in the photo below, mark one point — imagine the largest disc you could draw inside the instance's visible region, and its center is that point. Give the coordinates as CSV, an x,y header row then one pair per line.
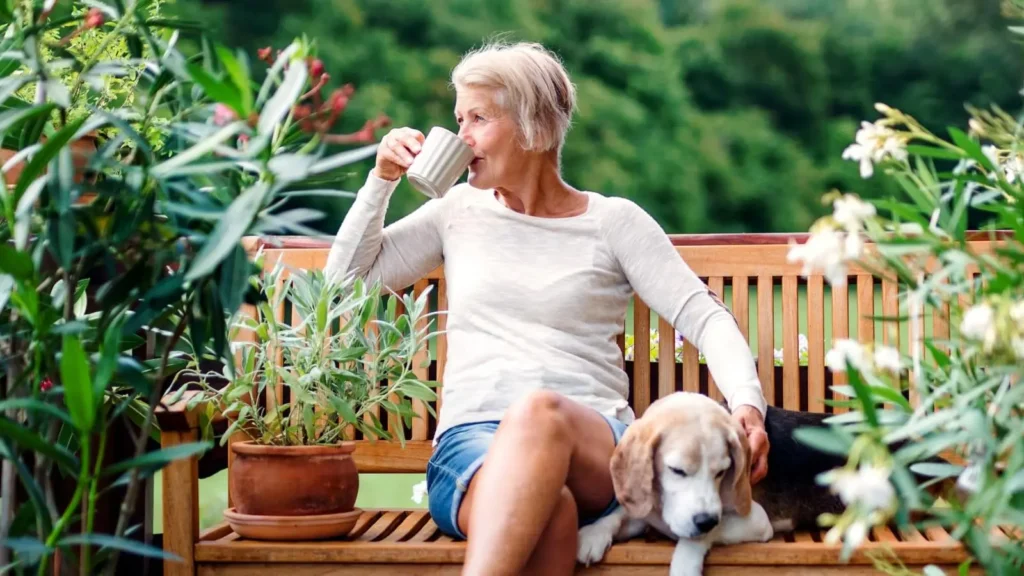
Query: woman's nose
x,y
465,136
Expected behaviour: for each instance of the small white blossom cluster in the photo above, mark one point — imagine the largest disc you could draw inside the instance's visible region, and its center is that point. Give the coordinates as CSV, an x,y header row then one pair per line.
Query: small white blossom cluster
x,y
874,143
846,352
996,325
419,491
836,241
870,499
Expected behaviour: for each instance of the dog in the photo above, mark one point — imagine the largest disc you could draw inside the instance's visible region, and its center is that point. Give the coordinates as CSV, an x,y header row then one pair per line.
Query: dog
x,y
683,468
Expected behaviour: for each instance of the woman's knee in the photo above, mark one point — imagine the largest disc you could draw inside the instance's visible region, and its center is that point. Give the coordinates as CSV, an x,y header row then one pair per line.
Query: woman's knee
x,y
541,412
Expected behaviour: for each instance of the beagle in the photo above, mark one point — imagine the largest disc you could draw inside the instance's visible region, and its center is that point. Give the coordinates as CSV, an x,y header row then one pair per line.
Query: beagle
x,y
683,468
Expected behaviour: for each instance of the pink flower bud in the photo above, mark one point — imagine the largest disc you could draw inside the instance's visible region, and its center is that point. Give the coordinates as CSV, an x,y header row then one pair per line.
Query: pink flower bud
x,y
316,68
94,18
45,385
222,114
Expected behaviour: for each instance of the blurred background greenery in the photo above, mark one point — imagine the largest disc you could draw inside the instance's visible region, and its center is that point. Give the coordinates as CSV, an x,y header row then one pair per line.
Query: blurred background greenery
x,y
714,115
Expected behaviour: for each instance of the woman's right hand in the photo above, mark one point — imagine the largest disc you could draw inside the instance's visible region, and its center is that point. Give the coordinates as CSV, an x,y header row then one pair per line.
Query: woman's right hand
x,y
396,152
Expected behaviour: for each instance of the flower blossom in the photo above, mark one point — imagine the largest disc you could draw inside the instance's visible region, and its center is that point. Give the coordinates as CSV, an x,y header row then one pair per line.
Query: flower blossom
x,y
873,144
846,352
826,251
887,358
419,491
979,324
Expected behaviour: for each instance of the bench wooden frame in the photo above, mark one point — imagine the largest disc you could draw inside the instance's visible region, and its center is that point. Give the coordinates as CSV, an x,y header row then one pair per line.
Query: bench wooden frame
x,y
408,542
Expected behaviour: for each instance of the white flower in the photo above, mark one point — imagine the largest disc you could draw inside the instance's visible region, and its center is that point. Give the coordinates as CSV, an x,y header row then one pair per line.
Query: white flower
x,y
856,532
853,247
843,352
868,487
873,144
1018,347
823,252
850,212
802,343
419,491
315,373
887,358
992,153
978,324
1017,312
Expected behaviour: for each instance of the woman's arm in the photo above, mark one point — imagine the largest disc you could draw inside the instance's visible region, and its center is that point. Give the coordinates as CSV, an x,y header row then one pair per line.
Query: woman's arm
x,y
398,255
661,278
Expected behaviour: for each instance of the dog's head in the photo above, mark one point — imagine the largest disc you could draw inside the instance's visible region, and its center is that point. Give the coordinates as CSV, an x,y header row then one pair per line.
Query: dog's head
x,y
686,459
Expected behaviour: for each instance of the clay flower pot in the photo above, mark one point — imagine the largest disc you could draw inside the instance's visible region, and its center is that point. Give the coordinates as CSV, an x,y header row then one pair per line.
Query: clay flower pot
x,y
81,152
293,480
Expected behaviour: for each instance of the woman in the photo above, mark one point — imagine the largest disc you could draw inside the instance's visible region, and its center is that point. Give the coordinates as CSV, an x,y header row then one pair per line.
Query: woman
x,y
539,278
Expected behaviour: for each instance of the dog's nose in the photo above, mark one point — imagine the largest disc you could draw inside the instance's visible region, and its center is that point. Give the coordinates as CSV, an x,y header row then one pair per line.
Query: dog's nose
x,y
705,522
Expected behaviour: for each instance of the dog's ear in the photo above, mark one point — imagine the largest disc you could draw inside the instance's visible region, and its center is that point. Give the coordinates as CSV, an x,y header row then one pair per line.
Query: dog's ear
x,y
632,467
735,488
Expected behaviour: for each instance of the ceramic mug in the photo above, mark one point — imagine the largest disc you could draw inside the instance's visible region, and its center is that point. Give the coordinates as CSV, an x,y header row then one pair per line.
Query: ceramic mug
x,y
443,158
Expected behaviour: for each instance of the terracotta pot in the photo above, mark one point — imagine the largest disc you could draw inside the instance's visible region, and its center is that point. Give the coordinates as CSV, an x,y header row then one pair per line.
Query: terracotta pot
x,y
293,480
81,151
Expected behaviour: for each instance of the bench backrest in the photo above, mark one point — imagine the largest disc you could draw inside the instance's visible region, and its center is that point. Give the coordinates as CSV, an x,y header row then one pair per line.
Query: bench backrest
x,y
764,291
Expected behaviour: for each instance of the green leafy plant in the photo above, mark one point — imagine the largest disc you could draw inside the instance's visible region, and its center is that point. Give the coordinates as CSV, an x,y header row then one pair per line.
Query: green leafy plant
x,y
957,397
100,299
345,359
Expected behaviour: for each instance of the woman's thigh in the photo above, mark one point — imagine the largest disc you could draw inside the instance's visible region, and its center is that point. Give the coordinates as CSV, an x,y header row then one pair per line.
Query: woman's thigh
x,y
465,450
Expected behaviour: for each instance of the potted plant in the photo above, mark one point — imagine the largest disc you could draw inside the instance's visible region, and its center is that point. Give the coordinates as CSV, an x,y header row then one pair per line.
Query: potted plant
x,y
344,358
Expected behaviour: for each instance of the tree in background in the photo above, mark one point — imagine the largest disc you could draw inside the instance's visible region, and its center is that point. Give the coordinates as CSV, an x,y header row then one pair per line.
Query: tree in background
x,y
715,115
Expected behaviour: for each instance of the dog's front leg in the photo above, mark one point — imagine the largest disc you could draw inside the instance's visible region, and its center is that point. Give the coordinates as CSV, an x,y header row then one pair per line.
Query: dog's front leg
x,y
754,527
688,557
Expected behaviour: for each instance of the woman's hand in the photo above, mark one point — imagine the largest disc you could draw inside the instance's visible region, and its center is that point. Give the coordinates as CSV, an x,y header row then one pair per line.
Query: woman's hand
x,y
396,152
753,424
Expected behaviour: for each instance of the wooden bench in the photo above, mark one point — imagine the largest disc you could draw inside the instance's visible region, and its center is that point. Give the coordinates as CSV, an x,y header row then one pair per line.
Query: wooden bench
x,y
747,272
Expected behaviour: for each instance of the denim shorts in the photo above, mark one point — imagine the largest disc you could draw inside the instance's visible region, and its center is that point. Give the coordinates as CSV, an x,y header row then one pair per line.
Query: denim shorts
x,y
458,456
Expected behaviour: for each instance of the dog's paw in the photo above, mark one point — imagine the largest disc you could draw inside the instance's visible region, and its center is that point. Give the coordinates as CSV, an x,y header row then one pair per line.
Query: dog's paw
x,y
688,558
595,539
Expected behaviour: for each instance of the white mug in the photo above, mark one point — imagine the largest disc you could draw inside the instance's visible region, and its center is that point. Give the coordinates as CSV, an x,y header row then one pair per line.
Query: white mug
x,y
443,158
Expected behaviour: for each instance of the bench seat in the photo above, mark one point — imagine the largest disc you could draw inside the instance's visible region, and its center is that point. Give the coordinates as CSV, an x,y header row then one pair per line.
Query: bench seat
x,y
407,542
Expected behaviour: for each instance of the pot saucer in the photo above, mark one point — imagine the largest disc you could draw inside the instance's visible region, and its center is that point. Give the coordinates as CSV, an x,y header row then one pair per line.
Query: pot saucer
x,y
312,527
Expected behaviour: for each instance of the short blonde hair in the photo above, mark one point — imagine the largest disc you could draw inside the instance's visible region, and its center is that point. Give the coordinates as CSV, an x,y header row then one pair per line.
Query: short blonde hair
x,y
530,83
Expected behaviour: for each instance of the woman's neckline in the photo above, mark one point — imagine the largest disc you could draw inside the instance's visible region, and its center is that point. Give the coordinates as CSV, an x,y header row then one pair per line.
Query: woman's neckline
x,y
493,194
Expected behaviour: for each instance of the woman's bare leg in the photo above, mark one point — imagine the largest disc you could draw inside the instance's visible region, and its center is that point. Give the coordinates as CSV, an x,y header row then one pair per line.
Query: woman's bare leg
x,y
515,508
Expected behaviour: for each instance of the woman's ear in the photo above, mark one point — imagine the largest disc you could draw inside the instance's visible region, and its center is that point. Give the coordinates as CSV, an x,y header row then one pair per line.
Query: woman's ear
x,y
735,488
632,468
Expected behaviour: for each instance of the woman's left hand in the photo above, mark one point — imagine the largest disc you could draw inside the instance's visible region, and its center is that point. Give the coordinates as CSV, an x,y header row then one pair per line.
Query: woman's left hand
x,y
753,425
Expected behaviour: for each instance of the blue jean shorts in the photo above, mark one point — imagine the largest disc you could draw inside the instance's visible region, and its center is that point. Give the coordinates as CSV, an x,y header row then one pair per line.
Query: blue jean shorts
x,y
458,456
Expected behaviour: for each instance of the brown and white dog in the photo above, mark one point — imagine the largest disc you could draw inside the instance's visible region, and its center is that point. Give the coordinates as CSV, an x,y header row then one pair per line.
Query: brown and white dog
x,y
683,468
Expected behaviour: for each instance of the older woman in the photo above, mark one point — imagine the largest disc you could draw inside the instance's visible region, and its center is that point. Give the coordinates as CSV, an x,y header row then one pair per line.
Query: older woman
x,y
539,278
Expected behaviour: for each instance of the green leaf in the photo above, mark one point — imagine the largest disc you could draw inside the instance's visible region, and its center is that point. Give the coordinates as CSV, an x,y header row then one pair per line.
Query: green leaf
x,y
109,354
6,287
160,458
933,152
168,167
935,470
31,440
228,232
35,406
418,391
283,100
892,395
54,144
823,439
123,544
342,407
75,377
223,92
971,147
238,71
17,264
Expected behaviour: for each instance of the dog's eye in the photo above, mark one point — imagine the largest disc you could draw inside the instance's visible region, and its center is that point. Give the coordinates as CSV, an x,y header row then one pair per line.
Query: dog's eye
x,y
679,471
720,474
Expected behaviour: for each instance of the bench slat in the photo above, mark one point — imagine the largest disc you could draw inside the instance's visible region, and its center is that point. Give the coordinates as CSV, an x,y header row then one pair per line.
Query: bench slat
x,y
410,569
641,356
790,344
840,326
666,351
766,336
382,526
717,285
816,344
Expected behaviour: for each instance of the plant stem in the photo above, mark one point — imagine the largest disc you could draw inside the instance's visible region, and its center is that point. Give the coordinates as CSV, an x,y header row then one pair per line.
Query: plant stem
x,y
93,493
83,480
128,506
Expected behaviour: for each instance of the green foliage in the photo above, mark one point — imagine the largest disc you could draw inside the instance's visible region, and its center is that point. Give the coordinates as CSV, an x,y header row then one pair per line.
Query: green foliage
x,y
343,360
958,397
117,259
714,115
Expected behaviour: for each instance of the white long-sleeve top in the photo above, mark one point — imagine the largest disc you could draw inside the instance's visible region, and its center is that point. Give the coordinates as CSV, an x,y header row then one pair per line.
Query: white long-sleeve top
x,y
537,303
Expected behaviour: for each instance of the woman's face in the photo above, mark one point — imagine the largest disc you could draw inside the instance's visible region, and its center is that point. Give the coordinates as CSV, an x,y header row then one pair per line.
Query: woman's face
x,y
491,133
